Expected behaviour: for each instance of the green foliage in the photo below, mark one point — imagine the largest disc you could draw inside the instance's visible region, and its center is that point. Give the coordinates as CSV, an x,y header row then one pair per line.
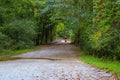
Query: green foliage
x,y
93,25
4,41
104,39
104,64
60,31
21,33
17,29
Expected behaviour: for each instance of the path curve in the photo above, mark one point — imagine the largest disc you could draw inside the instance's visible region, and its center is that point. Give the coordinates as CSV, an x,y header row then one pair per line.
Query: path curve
x,y
52,62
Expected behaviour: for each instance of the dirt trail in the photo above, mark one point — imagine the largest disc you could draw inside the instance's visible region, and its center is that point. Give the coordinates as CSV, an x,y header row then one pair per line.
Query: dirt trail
x,y
52,62
55,51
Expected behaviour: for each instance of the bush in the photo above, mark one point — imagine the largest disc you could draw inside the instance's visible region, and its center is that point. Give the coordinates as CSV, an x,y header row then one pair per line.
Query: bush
x,y
20,33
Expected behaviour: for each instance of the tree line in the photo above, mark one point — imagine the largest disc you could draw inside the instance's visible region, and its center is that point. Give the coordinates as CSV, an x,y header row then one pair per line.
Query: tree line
x,y
23,25
92,25
97,27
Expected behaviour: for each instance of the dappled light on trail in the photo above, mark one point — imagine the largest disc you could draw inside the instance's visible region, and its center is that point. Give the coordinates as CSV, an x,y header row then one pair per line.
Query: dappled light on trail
x,y
62,41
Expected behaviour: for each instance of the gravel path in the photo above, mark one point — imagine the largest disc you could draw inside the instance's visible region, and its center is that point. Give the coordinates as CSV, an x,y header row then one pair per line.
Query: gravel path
x,y
52,62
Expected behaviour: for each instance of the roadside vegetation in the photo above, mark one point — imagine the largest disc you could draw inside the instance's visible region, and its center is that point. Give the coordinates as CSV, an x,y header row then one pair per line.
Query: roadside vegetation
x,y
110,66
7,54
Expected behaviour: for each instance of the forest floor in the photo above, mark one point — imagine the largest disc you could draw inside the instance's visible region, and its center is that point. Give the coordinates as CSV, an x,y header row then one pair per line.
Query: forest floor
x,y
56,61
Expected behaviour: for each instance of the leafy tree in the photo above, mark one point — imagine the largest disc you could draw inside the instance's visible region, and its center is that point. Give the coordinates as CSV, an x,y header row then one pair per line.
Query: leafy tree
x,y
91,24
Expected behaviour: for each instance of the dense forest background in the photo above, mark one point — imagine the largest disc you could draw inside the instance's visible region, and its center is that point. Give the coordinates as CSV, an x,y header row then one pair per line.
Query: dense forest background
x,y
93,25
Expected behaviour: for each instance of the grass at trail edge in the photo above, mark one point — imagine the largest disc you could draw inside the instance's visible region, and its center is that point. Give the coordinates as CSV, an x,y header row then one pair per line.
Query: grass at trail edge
x,y
7,54
104,64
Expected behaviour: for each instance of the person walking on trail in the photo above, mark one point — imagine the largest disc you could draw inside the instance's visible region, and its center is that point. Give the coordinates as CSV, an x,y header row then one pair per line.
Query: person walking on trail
x,y
65,38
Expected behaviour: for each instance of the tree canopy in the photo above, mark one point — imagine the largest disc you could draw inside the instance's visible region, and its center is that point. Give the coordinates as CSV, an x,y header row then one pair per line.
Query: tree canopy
x,y
91,24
